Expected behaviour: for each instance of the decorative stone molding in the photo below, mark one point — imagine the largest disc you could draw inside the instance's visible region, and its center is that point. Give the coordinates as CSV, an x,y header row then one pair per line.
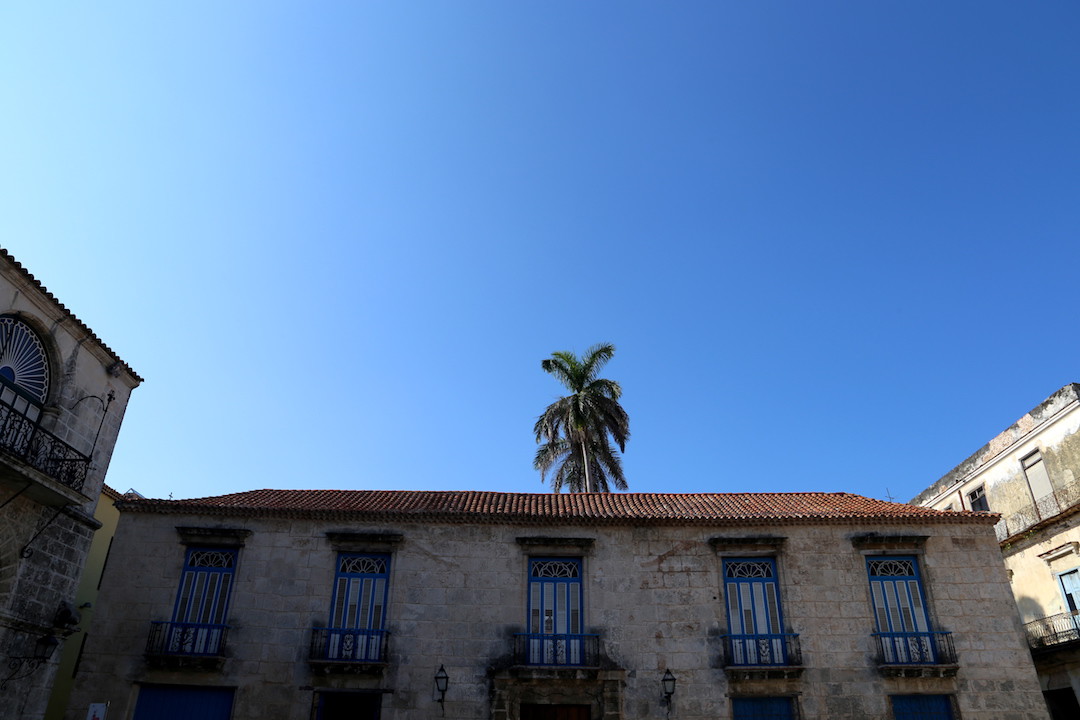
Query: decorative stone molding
x,y
556,545
876,541
1069,548
747,545
213,537
364,542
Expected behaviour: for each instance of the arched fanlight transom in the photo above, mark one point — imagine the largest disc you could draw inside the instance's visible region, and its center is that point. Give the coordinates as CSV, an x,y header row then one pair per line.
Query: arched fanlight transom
x,y
23,363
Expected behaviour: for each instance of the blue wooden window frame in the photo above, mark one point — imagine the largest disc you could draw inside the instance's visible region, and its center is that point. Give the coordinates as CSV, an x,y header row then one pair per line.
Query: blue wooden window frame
x,y
763,708
898,601
204,578
922,707
555,604
555,612
369,589
754,611
1065,595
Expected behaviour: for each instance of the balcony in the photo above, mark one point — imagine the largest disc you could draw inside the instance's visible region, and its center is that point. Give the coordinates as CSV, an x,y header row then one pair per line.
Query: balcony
x,y
178,645
1044,508
753,657
558,651
54,470
348,650
916,654
1053,631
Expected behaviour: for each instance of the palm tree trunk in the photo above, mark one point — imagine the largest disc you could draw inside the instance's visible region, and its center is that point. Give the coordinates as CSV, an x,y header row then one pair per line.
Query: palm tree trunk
x,y
585,461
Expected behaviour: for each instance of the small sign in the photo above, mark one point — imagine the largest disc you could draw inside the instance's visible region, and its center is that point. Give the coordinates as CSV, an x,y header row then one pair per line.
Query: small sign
x,y
98,711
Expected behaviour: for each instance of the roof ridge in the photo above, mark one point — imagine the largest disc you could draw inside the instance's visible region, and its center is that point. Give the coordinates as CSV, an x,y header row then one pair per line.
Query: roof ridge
x,y
590,508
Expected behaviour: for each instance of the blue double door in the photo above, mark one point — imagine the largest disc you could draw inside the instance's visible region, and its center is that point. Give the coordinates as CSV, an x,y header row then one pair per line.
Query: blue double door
x,y
182,702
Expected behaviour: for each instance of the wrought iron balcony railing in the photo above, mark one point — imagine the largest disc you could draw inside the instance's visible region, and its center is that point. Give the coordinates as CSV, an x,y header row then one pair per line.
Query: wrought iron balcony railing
x,y
186,639
778,649
557,650
1044,508
25,440
915,648
1053,630
348,645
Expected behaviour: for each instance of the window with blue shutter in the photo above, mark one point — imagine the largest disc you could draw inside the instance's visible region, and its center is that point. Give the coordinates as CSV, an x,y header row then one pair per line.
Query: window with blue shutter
x,y
555,612
358,610
755,622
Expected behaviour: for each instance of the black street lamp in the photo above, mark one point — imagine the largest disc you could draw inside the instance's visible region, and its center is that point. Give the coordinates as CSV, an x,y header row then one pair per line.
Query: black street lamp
x,y
442,681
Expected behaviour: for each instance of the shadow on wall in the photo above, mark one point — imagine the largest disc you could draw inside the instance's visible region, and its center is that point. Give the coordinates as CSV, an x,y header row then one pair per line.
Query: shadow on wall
x,y
1030,609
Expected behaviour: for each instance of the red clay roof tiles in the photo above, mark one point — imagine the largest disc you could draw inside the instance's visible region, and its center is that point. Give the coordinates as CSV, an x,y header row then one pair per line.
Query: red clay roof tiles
x,y
575,508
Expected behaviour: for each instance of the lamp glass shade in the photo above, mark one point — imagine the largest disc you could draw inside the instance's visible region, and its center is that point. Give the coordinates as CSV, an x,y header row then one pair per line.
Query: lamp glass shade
x,y
669,683
442,680
44,647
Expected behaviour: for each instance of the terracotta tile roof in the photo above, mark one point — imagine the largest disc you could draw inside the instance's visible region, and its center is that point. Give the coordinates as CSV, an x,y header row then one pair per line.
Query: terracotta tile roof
x,y
45,291
551,509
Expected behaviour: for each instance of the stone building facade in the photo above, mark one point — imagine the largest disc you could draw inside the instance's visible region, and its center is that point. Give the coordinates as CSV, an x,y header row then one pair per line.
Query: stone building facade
x,y
1030,474
407,605
63,394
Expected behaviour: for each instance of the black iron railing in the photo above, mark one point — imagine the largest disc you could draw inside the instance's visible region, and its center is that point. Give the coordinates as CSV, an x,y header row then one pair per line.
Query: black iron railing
x,y
348,645
779,649
557,650
915,648
1053,630
25,440
186,639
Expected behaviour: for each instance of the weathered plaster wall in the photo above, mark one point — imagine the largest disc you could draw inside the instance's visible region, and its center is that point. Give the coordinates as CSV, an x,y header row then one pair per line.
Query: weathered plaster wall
x,y
457,595
1034,581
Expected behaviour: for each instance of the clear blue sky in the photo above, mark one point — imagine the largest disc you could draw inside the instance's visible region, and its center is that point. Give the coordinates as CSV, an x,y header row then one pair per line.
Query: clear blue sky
x,y
834,243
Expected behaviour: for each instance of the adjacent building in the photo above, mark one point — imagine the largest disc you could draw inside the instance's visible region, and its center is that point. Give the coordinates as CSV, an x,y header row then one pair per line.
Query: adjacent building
x,y
63,394
85,598
404,605
1030,475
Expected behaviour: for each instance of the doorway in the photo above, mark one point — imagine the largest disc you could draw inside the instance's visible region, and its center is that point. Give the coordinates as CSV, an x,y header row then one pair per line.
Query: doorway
x,y
554,712
348,706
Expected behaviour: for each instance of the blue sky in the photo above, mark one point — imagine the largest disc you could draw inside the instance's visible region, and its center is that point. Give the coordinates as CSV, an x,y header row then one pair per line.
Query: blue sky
x,y
834,243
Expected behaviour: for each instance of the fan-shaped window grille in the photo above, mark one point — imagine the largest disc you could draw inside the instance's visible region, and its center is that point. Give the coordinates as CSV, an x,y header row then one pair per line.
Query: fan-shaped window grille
x,y
23,363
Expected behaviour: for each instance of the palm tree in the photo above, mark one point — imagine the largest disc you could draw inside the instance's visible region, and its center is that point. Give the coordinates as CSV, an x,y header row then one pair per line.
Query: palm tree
x,y
576,431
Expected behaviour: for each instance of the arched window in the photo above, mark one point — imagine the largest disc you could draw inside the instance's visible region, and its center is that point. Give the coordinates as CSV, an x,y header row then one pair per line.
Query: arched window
x,y
24,367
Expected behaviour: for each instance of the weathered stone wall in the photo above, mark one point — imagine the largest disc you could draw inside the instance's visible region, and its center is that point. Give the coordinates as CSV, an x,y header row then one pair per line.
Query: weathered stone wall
x,y
80,380
32,588
82,373
654,594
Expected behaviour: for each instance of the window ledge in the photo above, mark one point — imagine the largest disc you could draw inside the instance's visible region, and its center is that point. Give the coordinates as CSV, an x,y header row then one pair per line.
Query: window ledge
x,y
763,672
918,671
551,672
346,667
199,663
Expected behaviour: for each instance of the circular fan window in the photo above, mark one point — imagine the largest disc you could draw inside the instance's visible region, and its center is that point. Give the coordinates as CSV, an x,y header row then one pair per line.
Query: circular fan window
x,y
22,359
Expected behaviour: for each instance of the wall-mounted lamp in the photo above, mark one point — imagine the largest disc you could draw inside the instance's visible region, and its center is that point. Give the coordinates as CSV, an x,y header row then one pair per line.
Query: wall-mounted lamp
x,y
669,683
442,681
27,664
